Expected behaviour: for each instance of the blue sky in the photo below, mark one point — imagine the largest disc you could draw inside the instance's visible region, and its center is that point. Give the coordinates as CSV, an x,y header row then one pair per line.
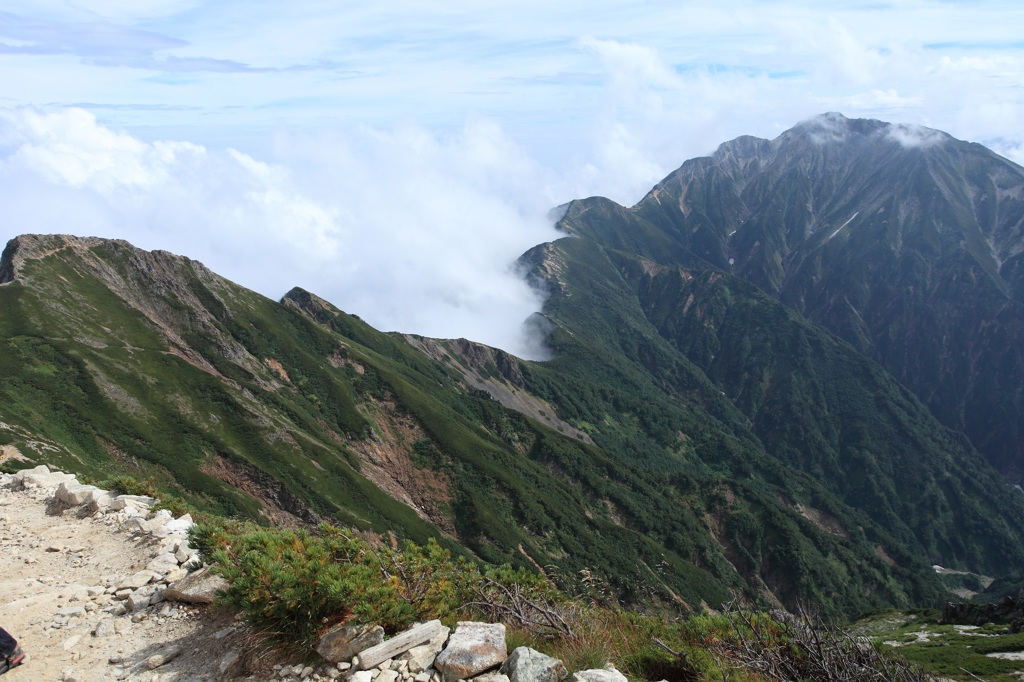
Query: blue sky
x,y
395,157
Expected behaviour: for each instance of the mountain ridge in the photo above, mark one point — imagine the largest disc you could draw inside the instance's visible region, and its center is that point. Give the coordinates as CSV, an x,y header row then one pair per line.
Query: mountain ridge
x,y
693,438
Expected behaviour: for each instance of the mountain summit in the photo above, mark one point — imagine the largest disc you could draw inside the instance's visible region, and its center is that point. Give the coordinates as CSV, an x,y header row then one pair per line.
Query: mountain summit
x,y
907,243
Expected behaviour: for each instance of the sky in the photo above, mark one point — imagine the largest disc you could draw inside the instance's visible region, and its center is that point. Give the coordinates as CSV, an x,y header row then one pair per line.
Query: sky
x,y
396,158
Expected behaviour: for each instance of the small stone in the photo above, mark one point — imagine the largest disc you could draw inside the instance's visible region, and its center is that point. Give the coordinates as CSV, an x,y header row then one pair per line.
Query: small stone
x,y
137,580
230,663
105,628
162,658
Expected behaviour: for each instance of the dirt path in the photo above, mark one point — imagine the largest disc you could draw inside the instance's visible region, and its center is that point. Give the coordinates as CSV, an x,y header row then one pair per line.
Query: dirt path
x,y
63,579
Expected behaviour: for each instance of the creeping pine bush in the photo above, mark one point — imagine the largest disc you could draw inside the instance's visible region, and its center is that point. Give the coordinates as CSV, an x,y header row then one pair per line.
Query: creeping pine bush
x,y
294,585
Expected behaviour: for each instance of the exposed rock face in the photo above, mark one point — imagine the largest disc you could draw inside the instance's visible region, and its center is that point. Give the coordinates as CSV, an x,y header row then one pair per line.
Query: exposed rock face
x,y
498,374
474,648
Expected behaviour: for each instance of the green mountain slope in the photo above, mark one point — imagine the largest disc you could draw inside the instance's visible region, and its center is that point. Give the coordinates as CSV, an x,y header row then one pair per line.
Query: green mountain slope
x,y
622,470
905,242
721,379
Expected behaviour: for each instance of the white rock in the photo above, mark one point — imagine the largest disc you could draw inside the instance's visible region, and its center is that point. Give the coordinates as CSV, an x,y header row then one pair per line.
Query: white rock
x,y
598,675
136,580
105,628
162,563
74,494
388,676
138,501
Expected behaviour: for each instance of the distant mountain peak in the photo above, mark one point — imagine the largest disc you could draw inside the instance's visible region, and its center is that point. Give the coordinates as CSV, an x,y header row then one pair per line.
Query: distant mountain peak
x,y
834,128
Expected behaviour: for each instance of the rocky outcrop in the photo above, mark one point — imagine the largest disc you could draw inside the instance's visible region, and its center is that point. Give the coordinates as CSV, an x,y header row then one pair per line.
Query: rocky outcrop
x,y
1009,610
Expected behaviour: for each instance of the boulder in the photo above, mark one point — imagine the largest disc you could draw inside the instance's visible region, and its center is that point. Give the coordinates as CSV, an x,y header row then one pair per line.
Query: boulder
x,y
100,501
124,501
105,628
174,575
597,675
527,665
230,665
162,563
180,524
200,587
75,494
473,648
345,641
40,477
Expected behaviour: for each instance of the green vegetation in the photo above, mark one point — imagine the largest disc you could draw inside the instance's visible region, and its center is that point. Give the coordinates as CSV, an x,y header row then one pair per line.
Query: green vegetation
x,y
954,652
292,587
705,481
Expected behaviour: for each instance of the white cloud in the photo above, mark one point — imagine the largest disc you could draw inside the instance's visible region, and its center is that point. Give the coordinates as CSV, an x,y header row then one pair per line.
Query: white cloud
x,y
915,136
418,207
410,231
